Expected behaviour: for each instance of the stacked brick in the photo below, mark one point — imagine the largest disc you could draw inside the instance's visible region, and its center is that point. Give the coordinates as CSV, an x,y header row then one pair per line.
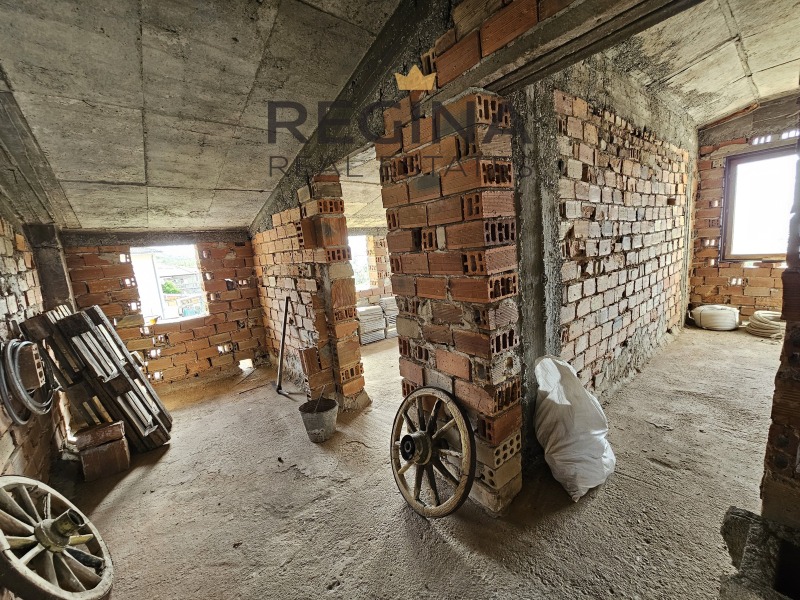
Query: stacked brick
x,y
305,257
481,27
750,286
25,450
623,203
211,345
449,198
380,285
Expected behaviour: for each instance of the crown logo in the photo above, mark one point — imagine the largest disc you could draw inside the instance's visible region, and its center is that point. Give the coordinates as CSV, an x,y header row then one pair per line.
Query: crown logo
x,y
415,81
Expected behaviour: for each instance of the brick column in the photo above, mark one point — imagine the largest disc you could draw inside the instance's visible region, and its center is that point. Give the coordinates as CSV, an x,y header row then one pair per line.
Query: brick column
x,y
448,191
780,487
305,257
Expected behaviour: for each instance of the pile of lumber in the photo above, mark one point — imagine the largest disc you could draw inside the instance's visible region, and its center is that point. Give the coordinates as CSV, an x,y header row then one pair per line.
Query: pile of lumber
x,y
103,381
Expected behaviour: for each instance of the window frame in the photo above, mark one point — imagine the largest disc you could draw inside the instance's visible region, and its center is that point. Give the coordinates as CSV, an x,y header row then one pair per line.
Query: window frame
x,y
729,200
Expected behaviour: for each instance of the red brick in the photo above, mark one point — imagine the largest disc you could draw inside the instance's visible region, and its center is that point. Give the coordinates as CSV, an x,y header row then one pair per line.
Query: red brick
x,y
507,24
489,400
438,334
397,115
417,133
445,263
424,187
452,363
446,210
121,270
402,241
414,264
404,285
331,230
475,174
415,215
432,287
411,371
86,274
343,293
496,429
472,343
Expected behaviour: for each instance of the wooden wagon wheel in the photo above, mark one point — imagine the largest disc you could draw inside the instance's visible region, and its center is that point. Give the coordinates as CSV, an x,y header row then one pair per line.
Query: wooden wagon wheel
x,y
433,446
49,550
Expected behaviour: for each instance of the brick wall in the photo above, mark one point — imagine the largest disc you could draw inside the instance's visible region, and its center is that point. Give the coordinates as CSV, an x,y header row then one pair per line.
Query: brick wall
x,y
623,209
305,257
25,450
748,285
379,272
180,350
453,255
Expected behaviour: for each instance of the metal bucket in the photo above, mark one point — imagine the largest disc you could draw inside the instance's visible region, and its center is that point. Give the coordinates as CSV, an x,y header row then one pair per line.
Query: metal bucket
x,y
319,417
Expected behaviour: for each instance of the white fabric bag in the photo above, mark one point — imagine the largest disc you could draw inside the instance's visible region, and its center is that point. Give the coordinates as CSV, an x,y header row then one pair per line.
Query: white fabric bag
x,y
572,428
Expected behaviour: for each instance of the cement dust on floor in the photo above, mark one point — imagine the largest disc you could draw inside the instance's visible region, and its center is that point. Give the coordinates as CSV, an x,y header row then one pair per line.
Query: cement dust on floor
x,y
242,505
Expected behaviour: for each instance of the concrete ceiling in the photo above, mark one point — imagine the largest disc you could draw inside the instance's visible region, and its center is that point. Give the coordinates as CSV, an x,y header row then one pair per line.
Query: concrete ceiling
x,y
719,56
153,113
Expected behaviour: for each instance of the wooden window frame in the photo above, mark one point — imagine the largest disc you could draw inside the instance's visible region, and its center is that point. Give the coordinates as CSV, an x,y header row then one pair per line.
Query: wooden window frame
x,y
729,201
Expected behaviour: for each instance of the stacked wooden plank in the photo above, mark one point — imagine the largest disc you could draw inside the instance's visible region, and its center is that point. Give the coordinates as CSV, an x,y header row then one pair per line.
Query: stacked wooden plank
x,y
100,376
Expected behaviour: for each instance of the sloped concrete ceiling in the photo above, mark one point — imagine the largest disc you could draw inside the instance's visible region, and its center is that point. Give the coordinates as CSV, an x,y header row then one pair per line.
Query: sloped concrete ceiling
x,y
153,113
719,56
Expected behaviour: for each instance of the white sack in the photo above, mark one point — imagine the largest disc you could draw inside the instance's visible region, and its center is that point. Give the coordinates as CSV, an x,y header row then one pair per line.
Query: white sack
x,y
572,428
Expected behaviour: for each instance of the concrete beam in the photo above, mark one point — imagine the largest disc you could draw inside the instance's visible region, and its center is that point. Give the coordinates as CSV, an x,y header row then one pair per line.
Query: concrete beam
x,y
84,237
570,36
771,117
48,254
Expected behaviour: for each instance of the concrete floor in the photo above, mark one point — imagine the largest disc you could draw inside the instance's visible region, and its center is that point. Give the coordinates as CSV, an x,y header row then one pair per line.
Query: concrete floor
x,y
242,505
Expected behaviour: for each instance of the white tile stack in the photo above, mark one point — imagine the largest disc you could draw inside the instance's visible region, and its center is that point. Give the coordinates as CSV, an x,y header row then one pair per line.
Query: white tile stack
x,y
371,324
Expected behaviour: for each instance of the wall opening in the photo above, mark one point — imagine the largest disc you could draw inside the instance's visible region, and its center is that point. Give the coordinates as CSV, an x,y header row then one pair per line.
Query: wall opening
x,y
758,201
170,283
359,261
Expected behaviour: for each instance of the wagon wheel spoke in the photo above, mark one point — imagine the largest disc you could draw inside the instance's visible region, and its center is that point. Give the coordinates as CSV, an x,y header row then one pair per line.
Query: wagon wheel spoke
x,y
32,553
77,540
86,575
9,505
67,578
21,543
12,524
46,567
432,483
47,505
420,470
409,423
420,414
434,415
405,467
89,560
445,472
444,429
453,453
27,502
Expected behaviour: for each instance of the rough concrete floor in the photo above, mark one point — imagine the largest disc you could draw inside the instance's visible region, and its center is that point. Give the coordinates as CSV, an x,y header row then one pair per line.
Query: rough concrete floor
x,y
242,505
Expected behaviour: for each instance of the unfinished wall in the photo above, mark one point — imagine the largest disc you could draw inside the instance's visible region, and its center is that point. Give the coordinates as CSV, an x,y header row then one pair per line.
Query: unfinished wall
x,y
185,349
612,168
28,449
747,285
453,255
305,258
379,271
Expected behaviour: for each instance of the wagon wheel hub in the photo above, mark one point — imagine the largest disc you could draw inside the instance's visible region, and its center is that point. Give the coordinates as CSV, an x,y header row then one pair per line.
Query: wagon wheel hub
x,y
417,447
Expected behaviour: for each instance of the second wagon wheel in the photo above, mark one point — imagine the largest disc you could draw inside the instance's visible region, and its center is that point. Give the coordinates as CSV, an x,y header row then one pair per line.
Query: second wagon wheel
x,y
432,452
48,548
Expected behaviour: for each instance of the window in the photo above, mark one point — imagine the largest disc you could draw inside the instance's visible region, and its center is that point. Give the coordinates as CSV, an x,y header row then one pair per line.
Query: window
x,y
169,281
360,261
759,198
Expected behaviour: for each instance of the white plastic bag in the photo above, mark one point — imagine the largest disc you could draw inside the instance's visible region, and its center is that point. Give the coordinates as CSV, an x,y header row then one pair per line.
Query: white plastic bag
x,y
572,428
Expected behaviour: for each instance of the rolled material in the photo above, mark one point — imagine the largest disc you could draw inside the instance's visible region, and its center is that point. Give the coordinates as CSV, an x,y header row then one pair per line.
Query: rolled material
x,y
717,317
767,324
